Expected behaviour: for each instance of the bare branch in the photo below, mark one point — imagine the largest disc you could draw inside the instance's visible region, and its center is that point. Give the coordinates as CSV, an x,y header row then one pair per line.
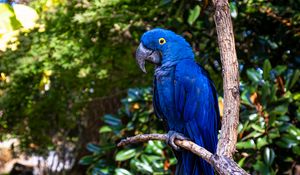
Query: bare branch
x,y
186,144
222,164
230,120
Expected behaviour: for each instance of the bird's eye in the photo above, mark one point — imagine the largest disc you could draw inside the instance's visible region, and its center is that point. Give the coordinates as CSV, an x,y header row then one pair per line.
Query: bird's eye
x,y
161,41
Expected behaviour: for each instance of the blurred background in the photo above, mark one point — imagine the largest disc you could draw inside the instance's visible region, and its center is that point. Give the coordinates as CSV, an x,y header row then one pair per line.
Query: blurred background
x,y
70,88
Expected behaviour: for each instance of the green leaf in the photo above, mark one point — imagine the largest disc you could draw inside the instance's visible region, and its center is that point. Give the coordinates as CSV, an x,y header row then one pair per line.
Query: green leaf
x,y
280,69
253,117
125,154
266,69
242,161
269,156
250,144
93,148
104,129
122,171
150,159
112,120
296,150
8,20
257,128
280,110
261,167
154,147
265,93
144,167
100,171
294,131
296,96
86,160
294,78
253,75
245,97
253,134
273,133
159,144
26,15
164,2
194,14
284,118
262,141
287,141
233,9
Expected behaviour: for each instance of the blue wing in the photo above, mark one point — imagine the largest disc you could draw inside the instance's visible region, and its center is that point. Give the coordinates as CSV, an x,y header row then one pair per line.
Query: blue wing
x,y
157,110
196,102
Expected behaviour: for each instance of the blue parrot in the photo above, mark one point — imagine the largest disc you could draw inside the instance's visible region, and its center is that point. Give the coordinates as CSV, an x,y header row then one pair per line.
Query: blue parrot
x,y
184,97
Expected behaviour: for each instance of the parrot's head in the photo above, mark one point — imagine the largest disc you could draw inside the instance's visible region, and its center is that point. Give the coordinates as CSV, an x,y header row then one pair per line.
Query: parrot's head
x,y
160,46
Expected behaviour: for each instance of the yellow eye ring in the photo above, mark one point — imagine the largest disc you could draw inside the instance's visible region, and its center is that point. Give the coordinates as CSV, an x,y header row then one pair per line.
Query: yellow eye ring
x,y
161,41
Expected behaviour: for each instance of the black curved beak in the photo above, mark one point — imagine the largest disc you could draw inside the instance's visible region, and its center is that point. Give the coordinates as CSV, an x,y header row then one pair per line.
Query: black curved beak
x,y
143,54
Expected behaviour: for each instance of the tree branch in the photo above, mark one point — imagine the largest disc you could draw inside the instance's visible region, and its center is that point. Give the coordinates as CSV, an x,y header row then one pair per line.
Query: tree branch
x,y
222,164
230,120
186,144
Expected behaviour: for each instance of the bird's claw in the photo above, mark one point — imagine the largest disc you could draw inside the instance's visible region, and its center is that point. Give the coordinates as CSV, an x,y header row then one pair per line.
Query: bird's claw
x,y
172,135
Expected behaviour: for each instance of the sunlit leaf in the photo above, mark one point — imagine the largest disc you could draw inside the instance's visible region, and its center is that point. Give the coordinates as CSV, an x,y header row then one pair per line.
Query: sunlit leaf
x,y
253,134
26,15
122,171
254,75
257,128
269,156
125,154
104,129
194,14
242,161
262,141
250,144
8,20
144,167
233,9
154,147
294,131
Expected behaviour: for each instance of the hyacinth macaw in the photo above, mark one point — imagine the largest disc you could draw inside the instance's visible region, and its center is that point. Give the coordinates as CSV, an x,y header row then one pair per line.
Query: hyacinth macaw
x,y
184,97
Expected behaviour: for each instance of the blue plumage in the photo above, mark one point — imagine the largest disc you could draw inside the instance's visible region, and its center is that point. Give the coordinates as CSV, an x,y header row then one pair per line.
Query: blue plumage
x,y
184,97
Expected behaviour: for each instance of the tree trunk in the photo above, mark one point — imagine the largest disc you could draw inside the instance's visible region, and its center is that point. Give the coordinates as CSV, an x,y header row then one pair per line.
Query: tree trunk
x,y
230,73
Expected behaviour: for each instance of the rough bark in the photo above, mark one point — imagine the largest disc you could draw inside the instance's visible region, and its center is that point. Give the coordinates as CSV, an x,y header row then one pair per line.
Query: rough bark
x,y
230,120
222,161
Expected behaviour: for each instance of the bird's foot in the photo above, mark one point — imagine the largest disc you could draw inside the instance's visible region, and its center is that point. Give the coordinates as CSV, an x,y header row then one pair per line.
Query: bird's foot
x,y
172,136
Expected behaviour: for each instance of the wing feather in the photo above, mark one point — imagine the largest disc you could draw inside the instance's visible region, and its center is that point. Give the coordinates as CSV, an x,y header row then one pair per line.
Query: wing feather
x,y
197,104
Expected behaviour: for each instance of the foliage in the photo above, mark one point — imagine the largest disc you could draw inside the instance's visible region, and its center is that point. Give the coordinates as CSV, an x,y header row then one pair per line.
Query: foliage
x,y
56,71
135,117
82,50
269,140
